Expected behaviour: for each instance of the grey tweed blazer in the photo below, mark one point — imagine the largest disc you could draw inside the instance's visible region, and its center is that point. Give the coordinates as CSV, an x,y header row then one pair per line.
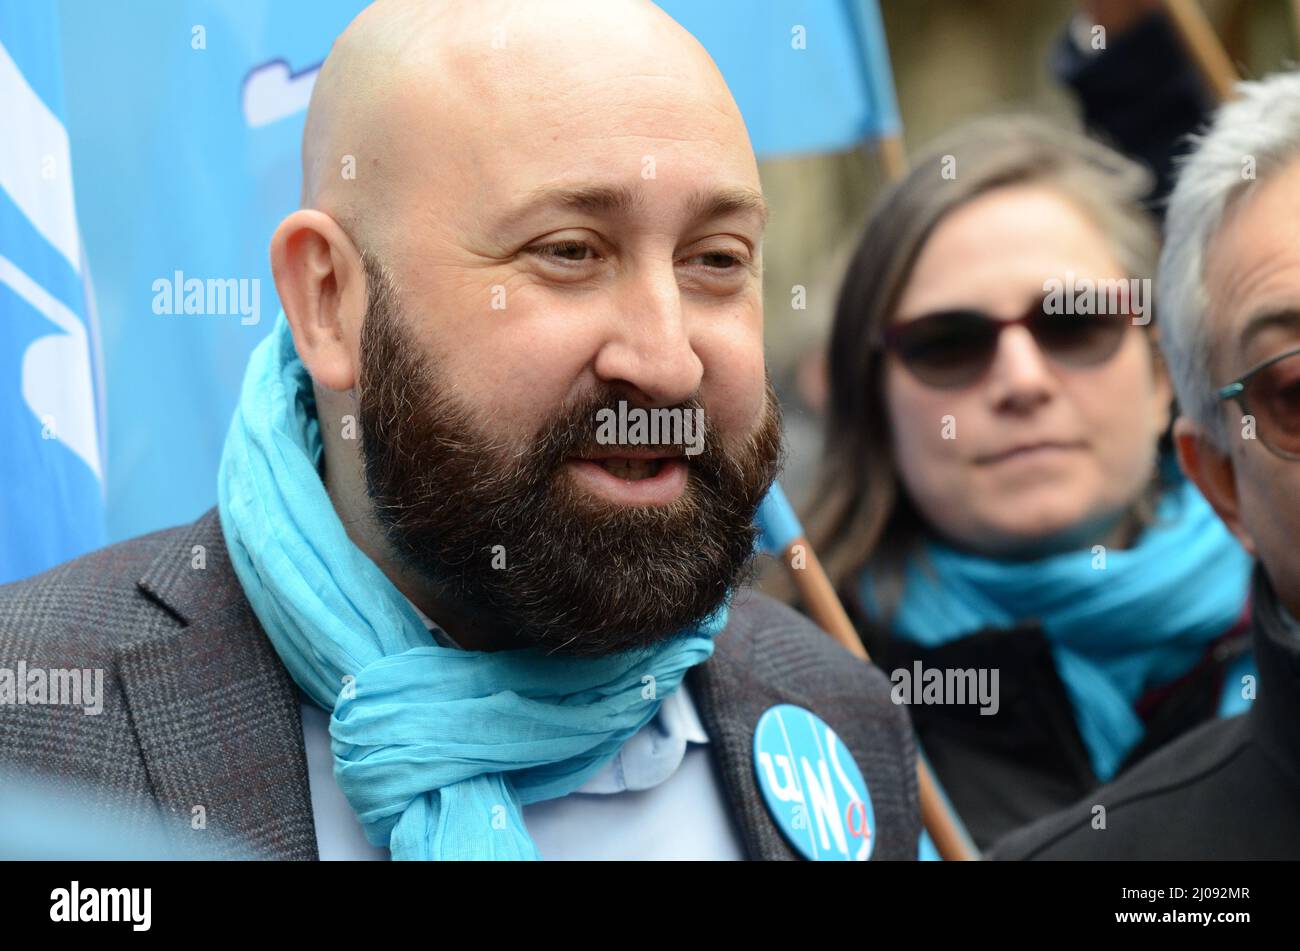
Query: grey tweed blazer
x,y
198,710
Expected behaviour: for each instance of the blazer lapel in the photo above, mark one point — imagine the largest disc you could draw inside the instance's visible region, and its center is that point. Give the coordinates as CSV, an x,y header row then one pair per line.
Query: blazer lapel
x,y
215,711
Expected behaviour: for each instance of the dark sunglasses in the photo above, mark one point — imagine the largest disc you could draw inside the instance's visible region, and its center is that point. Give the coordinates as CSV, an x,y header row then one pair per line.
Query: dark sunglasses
x,y
950,349
1270,392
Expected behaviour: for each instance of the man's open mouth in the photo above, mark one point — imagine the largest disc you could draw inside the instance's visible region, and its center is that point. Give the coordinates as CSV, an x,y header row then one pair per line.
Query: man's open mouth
x,y
632,470
632,465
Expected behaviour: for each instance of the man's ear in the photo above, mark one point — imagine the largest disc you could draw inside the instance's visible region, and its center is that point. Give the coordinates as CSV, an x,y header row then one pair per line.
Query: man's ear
x,y
1212,471
322,287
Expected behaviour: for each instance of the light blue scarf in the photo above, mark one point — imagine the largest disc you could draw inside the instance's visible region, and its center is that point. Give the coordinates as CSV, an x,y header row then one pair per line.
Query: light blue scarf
x,y
437,749
1142,620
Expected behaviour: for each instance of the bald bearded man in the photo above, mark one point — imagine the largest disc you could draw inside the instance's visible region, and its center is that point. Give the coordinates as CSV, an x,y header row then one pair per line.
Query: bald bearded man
x,y
434,614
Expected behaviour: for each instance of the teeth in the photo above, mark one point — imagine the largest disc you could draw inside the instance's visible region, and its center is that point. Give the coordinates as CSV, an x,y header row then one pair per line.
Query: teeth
x,y
632,470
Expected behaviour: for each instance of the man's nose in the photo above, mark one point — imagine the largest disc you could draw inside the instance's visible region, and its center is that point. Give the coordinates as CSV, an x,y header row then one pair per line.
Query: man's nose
x,y
1021,379
647,345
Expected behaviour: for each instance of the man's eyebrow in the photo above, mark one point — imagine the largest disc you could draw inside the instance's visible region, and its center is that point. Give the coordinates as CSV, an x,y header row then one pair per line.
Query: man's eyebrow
x,y
1268,320
706,205
621,199
591,199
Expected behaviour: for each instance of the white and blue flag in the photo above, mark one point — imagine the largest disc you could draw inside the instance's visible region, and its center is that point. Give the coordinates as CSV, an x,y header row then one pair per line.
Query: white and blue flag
x,y
51,463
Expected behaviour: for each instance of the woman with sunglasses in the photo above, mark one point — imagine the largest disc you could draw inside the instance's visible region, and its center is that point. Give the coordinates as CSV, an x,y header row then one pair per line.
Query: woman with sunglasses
x,y
996,495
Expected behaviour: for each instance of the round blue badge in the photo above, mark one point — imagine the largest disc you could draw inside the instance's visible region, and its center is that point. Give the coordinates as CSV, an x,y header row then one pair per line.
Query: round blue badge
x,y
812,786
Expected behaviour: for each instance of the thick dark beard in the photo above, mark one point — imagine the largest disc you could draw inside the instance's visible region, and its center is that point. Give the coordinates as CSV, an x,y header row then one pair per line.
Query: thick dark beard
x,y
580,576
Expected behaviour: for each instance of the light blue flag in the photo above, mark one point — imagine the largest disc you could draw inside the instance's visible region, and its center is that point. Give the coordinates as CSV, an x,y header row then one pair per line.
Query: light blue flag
x,y
777,523
808,75
51,465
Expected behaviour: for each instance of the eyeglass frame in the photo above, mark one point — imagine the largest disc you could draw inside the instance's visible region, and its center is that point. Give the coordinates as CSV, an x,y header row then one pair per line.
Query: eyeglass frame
x,y
1236,391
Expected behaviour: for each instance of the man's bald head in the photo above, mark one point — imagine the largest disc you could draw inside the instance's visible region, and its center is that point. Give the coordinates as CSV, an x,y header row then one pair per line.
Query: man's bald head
x,y
412,81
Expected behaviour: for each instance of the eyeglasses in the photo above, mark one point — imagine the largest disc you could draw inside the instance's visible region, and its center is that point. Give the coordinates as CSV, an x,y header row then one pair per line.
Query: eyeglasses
x,y
1270,392
951,349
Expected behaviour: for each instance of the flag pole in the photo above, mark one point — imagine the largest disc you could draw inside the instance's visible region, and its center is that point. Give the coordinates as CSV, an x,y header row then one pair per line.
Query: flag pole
x,y
878,87
1203,46
1295,17
893,160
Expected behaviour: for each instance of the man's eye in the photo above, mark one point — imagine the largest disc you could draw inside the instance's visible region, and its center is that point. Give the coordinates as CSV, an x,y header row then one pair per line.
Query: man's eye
x,y
574,252
719,260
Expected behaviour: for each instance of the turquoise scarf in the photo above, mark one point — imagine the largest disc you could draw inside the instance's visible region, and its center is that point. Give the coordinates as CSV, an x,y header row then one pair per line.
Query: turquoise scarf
x,y
437,749
1143,620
